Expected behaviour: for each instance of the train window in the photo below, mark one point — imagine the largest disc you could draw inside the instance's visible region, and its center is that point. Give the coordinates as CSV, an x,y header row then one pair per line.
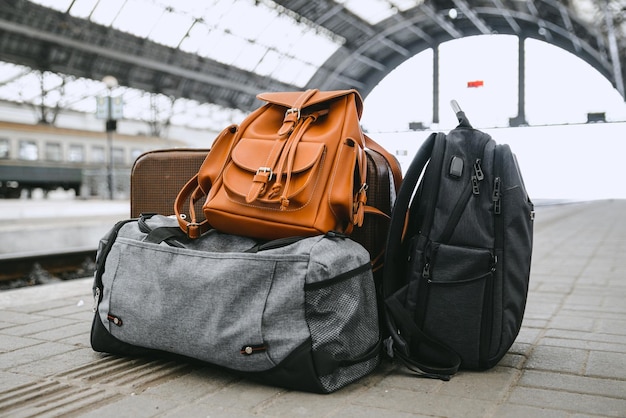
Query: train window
x,y
97,155
5,150
134,153
28,150
53,151
76,153
118,155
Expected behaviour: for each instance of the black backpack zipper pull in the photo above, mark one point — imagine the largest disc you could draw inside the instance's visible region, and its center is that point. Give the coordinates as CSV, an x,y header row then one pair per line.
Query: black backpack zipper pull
x,y
426,271
496,196
477,177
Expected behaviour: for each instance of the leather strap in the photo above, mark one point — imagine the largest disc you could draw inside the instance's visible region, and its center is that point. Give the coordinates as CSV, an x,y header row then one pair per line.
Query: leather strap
x,y
191,190
292,115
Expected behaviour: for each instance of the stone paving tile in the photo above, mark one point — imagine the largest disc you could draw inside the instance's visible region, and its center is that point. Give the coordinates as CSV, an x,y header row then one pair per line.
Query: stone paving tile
x,y
18,318
12,342
406,401
607,365
32,353
489,385
568,401
42,325
574,383
523,411
131,406
10,380
72,329
56,364
558,359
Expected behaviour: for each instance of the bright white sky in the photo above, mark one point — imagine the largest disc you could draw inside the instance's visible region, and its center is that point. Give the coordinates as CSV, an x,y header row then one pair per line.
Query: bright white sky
x,y
567,160
560,87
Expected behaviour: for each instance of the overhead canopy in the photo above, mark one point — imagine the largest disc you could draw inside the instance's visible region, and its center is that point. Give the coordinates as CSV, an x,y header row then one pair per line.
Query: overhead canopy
x,y
201,63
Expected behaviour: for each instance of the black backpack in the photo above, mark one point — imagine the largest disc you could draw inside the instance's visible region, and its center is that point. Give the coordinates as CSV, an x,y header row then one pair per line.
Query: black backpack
x,y
456,272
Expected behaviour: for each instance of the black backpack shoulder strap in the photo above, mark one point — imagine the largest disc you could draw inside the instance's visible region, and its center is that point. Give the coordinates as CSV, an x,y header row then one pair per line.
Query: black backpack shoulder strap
x,y
399,215
405,334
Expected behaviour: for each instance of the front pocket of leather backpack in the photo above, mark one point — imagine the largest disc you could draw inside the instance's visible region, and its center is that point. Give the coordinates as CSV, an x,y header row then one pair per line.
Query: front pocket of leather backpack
x,y
296,180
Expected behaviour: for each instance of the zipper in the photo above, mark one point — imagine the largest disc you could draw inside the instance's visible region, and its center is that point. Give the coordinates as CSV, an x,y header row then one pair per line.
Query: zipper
x,y
497,196
477,177
487,325
96,299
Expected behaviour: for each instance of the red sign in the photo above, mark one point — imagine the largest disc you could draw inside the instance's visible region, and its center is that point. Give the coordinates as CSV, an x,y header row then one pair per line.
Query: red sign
x,y
475,83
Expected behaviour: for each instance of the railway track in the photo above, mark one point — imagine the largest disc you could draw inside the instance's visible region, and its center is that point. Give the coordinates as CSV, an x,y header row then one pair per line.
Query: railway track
x,y
19,270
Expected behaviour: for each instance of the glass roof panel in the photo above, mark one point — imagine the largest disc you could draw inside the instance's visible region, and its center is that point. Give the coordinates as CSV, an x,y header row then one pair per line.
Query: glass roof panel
x,y
177,26
127,17
83,8
105,11
374,11
60,5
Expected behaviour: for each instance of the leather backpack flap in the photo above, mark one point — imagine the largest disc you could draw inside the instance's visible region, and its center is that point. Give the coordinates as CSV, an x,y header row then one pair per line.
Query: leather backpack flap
x,y
289,99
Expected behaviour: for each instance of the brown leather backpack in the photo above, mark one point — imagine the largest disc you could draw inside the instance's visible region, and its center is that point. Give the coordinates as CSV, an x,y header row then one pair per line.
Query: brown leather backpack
x,y
294,167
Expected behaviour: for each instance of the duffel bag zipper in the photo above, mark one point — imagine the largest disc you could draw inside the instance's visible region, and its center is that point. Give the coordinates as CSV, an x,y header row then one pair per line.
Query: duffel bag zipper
x,y
96,299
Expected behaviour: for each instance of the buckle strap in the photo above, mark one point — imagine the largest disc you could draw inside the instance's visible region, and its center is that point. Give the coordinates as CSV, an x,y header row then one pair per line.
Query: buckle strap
x,y
292,115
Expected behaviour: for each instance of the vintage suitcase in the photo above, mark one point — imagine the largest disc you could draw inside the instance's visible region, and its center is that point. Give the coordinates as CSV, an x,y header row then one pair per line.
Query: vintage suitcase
x,y
158,176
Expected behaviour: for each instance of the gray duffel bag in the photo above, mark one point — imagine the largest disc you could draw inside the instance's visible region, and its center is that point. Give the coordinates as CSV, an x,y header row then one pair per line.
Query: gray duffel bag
x,y
298,313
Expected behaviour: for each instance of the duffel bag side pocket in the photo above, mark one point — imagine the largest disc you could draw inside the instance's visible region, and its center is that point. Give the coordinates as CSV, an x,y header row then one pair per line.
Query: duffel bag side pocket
x,y
343,320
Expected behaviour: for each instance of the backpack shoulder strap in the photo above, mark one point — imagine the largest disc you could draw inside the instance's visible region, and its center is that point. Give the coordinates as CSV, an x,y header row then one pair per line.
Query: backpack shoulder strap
x,y
407,338
399,213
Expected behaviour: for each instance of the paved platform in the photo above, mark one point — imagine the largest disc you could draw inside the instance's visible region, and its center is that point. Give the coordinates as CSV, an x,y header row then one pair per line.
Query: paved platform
x,y
568,361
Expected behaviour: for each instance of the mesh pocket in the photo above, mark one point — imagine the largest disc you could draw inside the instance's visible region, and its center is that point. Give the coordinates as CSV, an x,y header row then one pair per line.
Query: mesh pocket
x,y
343,321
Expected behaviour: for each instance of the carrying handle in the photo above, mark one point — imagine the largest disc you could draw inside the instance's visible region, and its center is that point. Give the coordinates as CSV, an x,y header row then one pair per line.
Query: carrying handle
x,y
460,115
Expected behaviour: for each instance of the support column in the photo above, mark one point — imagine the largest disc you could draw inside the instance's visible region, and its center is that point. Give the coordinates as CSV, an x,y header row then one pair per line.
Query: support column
x,y
520,119
436,84
614,50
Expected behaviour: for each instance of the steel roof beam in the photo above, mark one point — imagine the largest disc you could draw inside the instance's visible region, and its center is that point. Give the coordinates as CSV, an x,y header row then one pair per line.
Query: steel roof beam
x,y
613,49
444,24
506,14
569,26
473,16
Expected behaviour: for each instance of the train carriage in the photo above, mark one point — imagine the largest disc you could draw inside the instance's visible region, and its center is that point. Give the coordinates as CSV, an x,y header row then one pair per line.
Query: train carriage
x,y
47,158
